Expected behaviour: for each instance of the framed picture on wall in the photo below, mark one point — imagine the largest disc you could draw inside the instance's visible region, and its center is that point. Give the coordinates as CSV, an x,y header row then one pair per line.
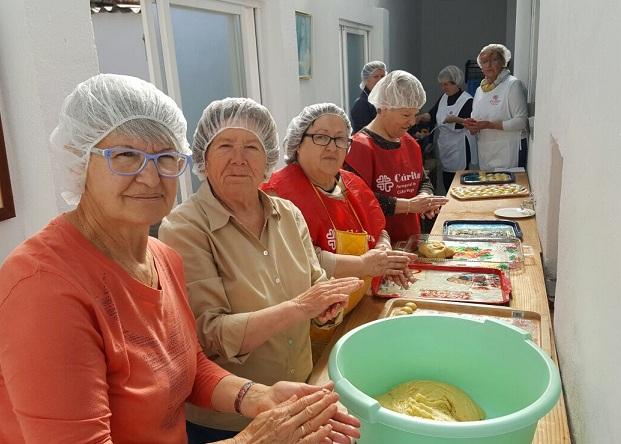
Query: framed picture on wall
x,y
7,210
303,28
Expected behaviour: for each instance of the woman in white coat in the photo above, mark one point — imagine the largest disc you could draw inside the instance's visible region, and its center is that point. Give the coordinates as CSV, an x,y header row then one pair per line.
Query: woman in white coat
x,y
457,148
499,112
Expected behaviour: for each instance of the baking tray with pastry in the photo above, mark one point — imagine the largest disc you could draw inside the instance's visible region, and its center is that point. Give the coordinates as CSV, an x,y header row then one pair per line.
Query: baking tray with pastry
x,y
456,283
482,228
487,178
476,192
503,253
528,321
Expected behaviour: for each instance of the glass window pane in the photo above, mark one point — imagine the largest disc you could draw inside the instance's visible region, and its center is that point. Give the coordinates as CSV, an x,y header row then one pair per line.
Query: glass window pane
x,y
355,62
209,60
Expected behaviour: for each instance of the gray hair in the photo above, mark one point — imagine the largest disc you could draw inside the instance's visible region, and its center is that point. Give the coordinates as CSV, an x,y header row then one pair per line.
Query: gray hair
x,y
451,73
369,69
300,124
496,48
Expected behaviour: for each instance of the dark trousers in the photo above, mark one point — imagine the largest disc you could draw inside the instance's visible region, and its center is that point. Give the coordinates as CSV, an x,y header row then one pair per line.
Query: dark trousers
x,y
447,179
198,434
523,155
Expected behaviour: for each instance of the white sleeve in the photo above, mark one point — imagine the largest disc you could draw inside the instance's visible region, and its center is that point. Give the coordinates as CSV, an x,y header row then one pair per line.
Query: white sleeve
x,y
518,109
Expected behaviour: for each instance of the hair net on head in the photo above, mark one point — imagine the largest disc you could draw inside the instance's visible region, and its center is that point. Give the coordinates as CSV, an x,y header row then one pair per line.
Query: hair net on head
x,y
104,104
369,69
300,124
451,73
399,89
502,50
240,113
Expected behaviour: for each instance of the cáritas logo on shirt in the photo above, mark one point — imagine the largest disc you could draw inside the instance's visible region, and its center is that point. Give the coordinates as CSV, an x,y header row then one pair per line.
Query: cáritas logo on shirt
x,y
495,100
331,237
384,183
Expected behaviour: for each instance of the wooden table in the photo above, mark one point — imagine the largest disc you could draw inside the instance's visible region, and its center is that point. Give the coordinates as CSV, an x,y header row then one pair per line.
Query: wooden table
x,y
528,293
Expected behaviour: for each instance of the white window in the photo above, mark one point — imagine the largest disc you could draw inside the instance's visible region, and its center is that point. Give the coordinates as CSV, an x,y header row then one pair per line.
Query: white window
x,y
200,51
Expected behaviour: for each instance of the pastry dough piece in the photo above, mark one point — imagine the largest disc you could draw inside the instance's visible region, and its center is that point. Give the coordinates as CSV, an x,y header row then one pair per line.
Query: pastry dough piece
x,y
432,400
436,250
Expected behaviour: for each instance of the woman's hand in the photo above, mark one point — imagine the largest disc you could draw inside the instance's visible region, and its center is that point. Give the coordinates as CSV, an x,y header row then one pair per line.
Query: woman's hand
x,y
307,415
474,126
425,203
324,295
403,279
471,125
451,118
378,262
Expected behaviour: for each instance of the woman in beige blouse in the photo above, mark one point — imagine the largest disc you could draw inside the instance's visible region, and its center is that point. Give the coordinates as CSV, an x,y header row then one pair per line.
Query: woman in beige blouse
x,y
253,277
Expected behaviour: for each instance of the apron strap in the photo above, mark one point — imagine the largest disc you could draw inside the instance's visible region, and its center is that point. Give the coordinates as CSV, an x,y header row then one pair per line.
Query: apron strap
x,y
346,200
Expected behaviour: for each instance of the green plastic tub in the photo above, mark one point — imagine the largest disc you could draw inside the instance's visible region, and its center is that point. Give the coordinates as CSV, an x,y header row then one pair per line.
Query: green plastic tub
x,y
498,366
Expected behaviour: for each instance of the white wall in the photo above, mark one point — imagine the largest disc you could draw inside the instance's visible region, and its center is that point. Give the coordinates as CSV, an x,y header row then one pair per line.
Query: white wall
x,y
325,84
120,44
46,48
577,110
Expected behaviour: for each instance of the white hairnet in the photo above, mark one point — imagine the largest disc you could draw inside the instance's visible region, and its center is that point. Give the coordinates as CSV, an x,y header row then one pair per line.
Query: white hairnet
x,y
300,124
451,73
499,49
240,113
103,104
399,89
369,69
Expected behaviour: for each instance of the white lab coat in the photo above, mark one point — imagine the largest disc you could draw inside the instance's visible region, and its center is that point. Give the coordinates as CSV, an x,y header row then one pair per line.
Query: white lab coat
x,y
507,103
452,141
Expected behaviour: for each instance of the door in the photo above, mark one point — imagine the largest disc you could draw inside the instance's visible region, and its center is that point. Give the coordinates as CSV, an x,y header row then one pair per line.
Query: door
x,y
354,54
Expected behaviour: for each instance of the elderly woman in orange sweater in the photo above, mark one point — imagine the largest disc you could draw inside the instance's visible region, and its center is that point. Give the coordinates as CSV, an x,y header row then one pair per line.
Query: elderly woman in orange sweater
x,y
97,341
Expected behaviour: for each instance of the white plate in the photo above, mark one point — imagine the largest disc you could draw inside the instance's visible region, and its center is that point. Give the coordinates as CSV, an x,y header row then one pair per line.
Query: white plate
x,y
514,213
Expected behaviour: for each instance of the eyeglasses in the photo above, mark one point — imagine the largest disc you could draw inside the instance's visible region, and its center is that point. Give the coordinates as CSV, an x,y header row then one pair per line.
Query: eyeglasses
x,y
130,162
324,140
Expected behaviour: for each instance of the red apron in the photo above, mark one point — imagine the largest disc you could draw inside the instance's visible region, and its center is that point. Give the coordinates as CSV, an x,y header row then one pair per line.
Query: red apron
x,y
325,215
393,172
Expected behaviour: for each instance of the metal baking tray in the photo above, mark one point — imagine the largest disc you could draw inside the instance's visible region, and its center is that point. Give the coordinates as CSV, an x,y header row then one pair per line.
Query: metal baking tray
x,y
528,321
487,178
483,228
505,253
489,191
457,283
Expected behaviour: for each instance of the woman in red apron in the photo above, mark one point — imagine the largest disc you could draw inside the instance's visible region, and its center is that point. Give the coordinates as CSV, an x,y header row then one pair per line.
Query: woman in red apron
x,y
345,221
390,161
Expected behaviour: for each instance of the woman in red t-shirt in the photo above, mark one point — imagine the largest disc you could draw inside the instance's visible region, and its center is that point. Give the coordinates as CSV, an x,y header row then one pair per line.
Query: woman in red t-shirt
x,y
390,161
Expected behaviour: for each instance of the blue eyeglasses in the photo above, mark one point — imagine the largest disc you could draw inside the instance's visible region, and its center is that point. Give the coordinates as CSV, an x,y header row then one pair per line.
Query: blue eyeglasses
x,y
125,161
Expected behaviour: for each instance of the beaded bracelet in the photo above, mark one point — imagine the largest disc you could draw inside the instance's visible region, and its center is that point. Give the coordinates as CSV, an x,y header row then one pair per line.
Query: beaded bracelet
x,y
241,394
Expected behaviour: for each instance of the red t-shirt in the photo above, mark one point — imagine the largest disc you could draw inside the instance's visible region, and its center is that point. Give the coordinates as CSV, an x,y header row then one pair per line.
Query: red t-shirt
x,y
88,354
291,183
394,172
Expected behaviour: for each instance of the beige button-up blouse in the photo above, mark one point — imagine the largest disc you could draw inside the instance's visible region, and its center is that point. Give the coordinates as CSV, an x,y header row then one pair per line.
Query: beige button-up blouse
x,y
230,273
